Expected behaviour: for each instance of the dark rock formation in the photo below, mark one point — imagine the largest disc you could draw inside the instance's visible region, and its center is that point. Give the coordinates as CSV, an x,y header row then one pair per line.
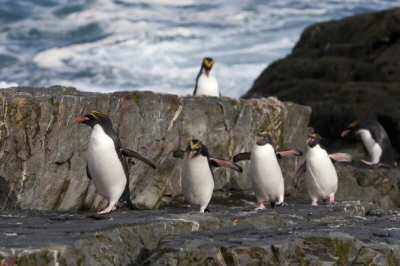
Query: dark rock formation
x,y
345,70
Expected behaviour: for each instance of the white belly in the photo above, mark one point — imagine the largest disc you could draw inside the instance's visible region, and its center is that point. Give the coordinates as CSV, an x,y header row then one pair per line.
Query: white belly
x,y
197,180
371,145
105,168
322,179
266,175
207,86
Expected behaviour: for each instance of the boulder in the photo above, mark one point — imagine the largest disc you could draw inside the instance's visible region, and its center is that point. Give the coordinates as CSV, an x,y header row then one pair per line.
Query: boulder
x,y
345,70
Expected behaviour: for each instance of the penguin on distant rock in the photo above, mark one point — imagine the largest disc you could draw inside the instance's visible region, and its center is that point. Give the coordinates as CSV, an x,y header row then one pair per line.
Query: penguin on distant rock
x,y
375,140
321,176
265,172
206,83
106,163
197,175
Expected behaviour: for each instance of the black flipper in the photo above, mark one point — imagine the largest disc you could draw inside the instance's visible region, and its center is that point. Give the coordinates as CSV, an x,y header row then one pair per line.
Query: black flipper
x,y
87,171
242,156
302,169
136,155
178,154
224,163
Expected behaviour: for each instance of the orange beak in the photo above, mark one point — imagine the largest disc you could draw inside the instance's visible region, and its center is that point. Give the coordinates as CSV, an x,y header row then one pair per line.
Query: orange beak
x,y
258,139
80,119
344,133
207,73
191,155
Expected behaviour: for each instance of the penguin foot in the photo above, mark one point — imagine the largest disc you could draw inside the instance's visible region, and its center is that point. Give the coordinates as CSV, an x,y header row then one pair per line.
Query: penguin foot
x,y
260,206
108,209
331,199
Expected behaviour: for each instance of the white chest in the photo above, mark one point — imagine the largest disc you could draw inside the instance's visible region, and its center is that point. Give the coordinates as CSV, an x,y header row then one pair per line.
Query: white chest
x,y
265,172
105,168
322,179
371,145
207,85
197,180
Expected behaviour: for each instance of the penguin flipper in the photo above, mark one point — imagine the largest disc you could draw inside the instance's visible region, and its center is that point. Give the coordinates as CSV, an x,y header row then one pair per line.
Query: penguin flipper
x,y
289,152
302,169
242,156
87,172
179,154
136,155
340,157
224,163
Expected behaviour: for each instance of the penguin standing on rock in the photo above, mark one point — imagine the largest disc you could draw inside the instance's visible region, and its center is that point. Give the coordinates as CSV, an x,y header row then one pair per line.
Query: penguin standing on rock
x,y
321,176
106,163
206,83
375,140
265,172
197,175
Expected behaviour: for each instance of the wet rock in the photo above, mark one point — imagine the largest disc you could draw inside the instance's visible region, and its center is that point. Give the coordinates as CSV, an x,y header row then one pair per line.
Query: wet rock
x,y
335,234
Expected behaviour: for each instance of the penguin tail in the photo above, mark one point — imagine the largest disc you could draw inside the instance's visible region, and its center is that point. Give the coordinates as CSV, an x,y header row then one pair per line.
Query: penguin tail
x,y
130,204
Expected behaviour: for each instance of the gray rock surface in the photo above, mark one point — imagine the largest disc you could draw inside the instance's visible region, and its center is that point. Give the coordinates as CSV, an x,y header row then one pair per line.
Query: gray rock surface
x,y
294,234
42,153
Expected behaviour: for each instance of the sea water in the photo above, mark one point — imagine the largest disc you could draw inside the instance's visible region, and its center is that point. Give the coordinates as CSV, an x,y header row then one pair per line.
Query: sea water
x,y
157,45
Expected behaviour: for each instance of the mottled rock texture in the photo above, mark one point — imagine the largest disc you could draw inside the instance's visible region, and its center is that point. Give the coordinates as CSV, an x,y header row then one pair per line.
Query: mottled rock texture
x,y
42,153
345,70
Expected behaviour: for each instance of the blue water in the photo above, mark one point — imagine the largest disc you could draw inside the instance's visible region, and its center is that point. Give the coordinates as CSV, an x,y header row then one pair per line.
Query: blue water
x,y
158,45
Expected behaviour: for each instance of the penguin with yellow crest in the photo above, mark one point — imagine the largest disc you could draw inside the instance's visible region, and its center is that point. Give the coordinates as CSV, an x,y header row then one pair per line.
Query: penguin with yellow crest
x,y
265,172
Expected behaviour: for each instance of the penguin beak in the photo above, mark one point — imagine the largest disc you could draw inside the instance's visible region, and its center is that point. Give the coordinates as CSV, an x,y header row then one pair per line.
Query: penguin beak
x,y
344,133
258,139
191,155
80,119
207,73
309,141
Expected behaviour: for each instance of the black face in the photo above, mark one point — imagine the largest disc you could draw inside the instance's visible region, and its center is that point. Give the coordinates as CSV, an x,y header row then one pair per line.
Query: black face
x,y
313,140
263,138
94,118
195,147
208,63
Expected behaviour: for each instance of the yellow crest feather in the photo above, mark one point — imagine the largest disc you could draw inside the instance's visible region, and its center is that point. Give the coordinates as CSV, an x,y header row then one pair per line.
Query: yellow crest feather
x,y
97,114
208,63
353,124
315,135
196,145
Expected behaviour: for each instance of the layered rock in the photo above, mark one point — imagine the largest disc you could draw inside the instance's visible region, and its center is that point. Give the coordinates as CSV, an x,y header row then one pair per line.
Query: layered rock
x,y
43,152
345,70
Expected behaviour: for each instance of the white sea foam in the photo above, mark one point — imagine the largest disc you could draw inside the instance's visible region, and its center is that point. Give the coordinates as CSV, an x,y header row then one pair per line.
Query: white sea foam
x,y
158,45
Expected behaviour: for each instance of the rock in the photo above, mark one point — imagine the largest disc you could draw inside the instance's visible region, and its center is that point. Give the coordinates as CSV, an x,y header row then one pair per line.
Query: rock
x,y
345,70
335,234
43,153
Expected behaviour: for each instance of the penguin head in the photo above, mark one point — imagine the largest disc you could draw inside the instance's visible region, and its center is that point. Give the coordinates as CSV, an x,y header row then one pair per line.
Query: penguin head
x,y
94,118
313,140
352,127
207,65
262,138
195,148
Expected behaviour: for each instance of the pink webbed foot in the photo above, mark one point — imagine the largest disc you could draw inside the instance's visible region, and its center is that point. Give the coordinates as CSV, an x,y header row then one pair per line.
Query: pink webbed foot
x,y
331,199
367,163
260,206
108,209
314,202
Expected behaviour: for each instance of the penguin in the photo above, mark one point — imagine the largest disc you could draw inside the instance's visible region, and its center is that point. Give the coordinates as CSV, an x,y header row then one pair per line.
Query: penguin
x,y
321,176
265,172
197,175
375,140
106,164
206,83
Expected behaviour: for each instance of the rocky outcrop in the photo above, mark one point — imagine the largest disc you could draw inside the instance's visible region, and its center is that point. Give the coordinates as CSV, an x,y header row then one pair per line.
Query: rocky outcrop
x,y
345,70
293,234
42,153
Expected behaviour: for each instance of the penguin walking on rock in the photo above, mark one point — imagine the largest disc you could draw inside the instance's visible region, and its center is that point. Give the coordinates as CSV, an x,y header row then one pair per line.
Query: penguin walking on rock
x,y
206,83
375,140
321,176
197,175
265,172
106,163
